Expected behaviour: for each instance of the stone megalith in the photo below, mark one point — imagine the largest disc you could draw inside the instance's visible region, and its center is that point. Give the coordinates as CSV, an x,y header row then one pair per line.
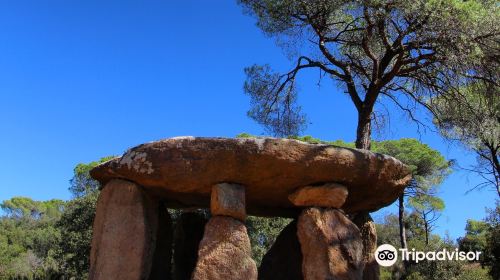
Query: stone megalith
x,y
331,245
236,177
124,233
225,251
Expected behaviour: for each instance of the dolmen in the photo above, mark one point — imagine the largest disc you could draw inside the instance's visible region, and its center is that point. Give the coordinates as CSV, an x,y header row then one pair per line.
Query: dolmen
x,y
320,186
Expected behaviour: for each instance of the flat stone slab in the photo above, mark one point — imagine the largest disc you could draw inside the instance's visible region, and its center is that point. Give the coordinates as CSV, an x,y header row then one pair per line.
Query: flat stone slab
x,y
182,171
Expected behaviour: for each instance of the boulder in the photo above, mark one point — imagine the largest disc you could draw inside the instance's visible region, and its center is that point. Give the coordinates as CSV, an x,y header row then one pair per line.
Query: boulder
x,y
183,170
225,252
331,245
124,233
228,200
330,195
283,261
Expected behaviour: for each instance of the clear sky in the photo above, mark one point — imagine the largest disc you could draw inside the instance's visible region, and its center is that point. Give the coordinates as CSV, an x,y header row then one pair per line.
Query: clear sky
x,y
80,80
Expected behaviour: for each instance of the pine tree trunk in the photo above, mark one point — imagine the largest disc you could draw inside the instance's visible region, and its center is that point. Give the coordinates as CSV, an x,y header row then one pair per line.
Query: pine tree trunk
x,y
426,233
402,228
363,131
363,220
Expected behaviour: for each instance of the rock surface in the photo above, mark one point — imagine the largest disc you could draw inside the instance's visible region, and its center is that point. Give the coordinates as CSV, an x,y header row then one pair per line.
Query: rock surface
x,y
368,232
225,252
187,237
331,245
228,200
330,195
124,233
183,171
283,261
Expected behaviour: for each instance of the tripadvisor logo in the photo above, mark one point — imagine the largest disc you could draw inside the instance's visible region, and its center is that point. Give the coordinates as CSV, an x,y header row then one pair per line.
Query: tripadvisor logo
x,y
387,255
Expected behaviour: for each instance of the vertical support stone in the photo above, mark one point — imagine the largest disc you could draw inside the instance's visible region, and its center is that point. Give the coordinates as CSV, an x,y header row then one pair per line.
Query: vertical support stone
x,y
187,237
283,261
162,260
369,235
124,233
331,245
225,251
228,200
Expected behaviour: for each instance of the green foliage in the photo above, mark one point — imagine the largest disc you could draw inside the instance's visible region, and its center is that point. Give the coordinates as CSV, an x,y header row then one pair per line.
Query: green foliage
x,y
472,117
27,237
388,232
49,239
26,208
475,239
428,166
82,183
474,273
75,226
398,49
492,251
262,232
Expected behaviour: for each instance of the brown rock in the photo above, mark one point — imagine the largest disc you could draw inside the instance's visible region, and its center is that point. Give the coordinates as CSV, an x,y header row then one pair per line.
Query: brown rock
x,y
331,245
124,233
283,261
369,236
183,171
330,195
188,235
225,252
162,259
228,200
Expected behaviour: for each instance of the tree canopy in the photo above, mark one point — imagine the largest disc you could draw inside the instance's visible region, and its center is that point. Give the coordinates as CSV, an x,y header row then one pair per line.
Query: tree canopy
x,y
81,183
472,117
397,49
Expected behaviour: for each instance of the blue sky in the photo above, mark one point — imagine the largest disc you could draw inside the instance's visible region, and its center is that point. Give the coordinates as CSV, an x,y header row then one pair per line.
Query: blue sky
x,y
80,80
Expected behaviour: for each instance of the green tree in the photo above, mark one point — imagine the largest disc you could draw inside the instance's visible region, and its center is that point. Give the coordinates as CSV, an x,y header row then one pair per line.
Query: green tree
x,y
81,183
492,252
27,237
75,226
476,234
389,231
370,49
77,220
473,118
428,207
428,167
263,232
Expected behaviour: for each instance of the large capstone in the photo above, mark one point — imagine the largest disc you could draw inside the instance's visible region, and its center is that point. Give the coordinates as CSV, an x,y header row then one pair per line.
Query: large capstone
x,y
184,170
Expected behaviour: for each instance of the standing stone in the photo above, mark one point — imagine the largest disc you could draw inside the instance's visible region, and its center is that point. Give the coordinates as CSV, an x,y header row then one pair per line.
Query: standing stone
x,y
284,260
228,200
162,260
369,235
124,233
188,234
331,245
225,252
